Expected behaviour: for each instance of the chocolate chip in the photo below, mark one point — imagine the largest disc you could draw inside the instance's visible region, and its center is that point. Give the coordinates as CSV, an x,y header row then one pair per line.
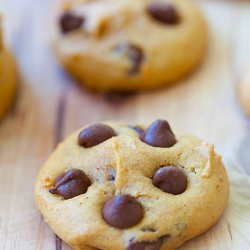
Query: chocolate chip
x,y
71,184
159,134
164,13
170,180
144,245
95,135
69,22
122,211
139,130
135,54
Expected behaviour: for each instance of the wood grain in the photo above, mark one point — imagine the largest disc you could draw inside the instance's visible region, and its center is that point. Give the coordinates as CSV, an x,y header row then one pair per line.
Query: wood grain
x,y
50,105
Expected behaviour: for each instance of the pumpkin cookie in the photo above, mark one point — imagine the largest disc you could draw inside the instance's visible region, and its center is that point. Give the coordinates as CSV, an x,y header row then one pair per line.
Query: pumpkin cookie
x,y
8,77
129,45
112,186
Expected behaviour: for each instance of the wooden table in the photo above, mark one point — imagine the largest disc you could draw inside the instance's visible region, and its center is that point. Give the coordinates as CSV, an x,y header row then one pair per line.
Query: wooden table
x,y
50,106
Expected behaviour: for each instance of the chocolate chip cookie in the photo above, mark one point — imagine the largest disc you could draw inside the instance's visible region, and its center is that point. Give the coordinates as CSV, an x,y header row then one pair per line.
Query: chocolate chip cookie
x,y
129,45
8,76
115,186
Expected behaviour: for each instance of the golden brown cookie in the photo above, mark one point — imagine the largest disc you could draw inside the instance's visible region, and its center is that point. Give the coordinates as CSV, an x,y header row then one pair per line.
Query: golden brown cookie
x,y
8,77
112,186
243,90
129,45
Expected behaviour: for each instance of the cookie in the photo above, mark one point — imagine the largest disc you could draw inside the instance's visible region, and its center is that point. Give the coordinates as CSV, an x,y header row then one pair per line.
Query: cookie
x,y
243,91
8,77
112,186
129,45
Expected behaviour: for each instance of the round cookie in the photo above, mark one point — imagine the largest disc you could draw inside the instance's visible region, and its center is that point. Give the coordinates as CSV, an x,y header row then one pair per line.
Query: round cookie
x,y
129,45
243,90
111,186
8,77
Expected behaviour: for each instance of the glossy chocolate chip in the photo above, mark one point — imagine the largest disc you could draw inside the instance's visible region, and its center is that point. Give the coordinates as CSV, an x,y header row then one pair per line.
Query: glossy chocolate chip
x,y
139,130
69,22
135,55
170,180
144,245
71,184
164,13
159,134
122,211
94,135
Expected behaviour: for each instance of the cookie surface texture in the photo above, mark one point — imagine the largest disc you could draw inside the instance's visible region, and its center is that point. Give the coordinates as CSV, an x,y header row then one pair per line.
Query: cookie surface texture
x,y
129,45
124,194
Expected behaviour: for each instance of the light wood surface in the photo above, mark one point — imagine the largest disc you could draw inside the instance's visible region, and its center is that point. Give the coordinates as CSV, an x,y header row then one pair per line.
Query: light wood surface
x,y
49,106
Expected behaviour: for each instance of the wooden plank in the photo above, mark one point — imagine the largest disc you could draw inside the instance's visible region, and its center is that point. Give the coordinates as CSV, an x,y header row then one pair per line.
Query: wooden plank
x,y
50,105
28,134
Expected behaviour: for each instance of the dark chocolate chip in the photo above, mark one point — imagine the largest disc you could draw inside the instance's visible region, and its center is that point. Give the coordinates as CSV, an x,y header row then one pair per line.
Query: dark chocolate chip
x,y
139,130
164,13
170,180
122,211
135,55
159,134
144,245
69,22
95,134
71,184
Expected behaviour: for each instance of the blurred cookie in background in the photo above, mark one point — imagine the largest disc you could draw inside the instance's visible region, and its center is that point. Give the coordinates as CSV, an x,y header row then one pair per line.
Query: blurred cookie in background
x,y
243,91
130,45
8,76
